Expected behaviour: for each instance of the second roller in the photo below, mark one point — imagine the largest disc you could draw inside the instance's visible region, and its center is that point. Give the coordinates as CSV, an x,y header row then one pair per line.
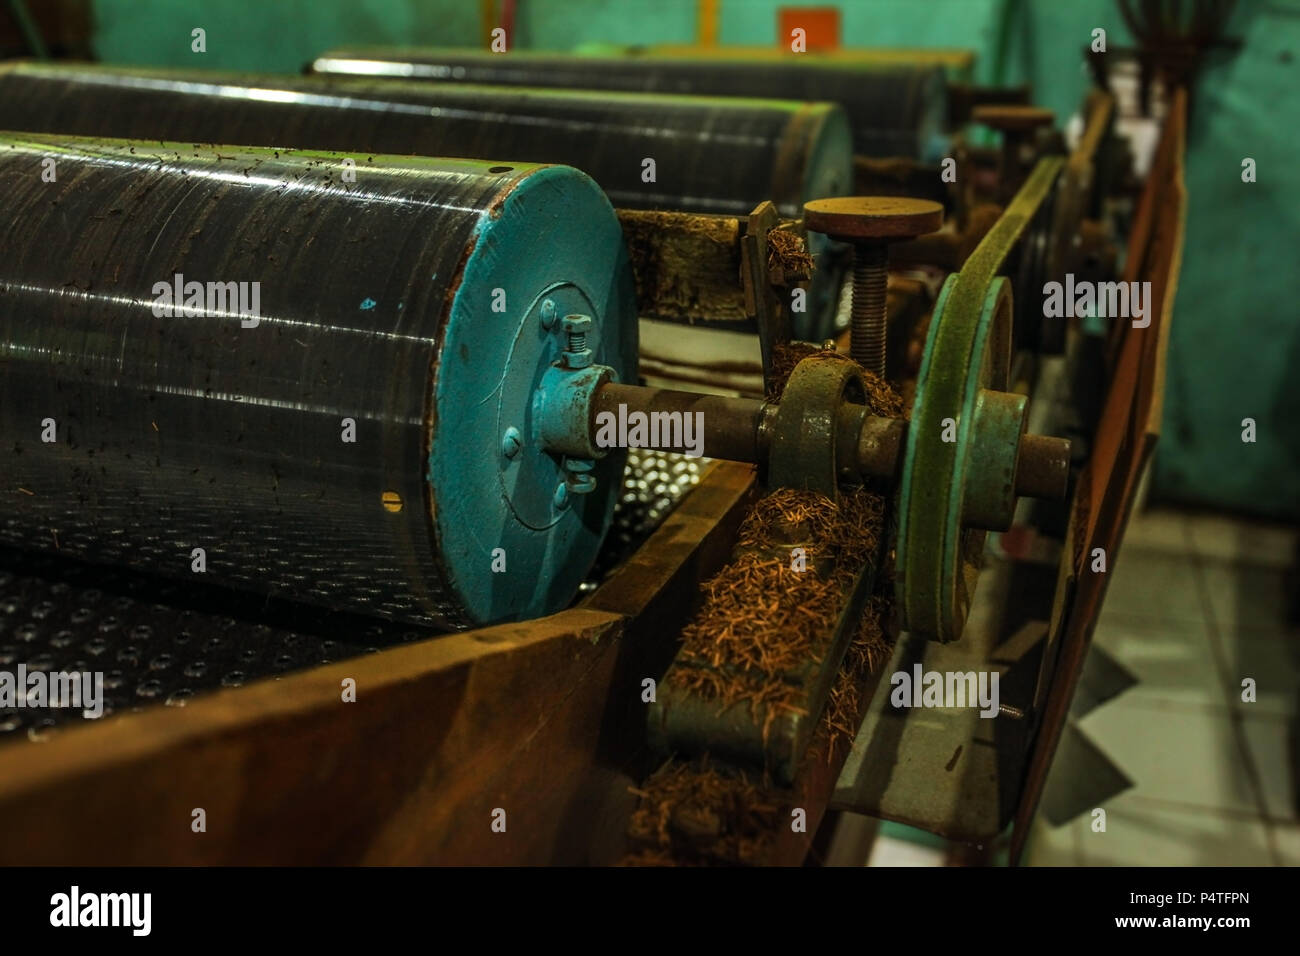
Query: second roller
x,y
709,155
696,154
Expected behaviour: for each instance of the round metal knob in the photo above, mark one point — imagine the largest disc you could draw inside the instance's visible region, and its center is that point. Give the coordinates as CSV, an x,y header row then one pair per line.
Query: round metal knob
x,y
852,218
870,223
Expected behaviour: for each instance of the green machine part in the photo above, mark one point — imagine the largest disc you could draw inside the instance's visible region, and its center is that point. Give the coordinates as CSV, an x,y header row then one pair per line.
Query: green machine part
x,y
963,442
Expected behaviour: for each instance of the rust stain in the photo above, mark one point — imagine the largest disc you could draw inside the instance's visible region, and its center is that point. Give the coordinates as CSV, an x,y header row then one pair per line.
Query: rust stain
x,y
498,203
953,762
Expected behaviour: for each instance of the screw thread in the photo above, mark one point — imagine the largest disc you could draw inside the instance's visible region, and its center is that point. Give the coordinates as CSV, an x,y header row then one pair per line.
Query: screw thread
x,y
870,294
577,341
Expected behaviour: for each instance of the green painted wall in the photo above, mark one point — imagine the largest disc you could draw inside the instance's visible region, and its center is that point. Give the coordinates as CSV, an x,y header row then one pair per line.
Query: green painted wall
x,y
1235,346
1237,330
278,36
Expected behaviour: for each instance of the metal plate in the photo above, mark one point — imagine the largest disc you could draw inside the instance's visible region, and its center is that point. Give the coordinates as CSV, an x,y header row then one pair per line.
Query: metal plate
x,y
162,643
156,642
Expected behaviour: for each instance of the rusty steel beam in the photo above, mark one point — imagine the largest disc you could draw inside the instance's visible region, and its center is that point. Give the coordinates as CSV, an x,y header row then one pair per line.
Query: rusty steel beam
x,y
1126,437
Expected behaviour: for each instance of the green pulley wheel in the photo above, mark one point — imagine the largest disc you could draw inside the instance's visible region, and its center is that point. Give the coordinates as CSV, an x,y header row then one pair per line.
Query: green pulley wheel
x,y
960,457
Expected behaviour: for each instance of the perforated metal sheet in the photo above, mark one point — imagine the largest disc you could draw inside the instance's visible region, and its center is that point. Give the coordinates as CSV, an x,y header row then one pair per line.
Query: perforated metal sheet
x,y
155,642
160,642
653,485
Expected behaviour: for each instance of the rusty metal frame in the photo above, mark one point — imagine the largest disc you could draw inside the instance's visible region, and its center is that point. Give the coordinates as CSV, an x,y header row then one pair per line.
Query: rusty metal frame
x,y
967,778
1126,437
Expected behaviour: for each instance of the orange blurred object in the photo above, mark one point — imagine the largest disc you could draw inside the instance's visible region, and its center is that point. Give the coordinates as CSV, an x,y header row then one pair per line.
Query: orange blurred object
x,y
820,25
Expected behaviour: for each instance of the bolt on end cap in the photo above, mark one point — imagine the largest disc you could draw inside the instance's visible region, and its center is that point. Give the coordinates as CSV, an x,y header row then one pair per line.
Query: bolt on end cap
x,y
872,217
576,322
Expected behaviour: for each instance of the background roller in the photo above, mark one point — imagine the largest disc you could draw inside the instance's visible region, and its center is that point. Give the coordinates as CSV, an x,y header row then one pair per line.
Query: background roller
x,y
712,155
893,111
376,304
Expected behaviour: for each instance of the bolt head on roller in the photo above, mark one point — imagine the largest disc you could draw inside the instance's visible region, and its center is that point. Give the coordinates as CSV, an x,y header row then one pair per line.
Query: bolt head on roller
x,y
577,323
856,218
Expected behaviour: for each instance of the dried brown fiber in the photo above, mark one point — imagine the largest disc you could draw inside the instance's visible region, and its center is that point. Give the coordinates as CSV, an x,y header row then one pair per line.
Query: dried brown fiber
x,y
866,655
690,812
785,356
760,620
787,253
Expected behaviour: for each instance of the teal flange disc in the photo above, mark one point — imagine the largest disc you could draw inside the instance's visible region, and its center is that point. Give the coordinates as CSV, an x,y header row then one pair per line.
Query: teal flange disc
x,y
513,548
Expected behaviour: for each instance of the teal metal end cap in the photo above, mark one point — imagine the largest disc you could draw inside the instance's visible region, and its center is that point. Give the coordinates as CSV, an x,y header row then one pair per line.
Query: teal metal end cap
x,y
554,247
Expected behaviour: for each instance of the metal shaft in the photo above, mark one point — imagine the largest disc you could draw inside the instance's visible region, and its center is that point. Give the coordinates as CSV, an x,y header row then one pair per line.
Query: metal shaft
x,y
870,293
869,446
731,427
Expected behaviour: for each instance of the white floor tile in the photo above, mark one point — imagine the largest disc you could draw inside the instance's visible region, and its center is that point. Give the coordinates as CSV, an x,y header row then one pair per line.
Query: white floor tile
x,y
886,851
1144,833
1197,603
1271,743
1272,661
1054,846
1247,598
1180,755
1172,661
1229,539
1158,529
1153,585
1287,838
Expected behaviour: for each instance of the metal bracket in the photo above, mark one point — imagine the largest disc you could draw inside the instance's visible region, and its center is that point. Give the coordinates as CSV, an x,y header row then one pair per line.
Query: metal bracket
x,y
804,444
761,302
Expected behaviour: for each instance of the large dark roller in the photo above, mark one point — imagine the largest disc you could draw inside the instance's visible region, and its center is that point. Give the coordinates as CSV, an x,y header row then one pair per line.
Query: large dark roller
x,y
304,369
711,155
897,110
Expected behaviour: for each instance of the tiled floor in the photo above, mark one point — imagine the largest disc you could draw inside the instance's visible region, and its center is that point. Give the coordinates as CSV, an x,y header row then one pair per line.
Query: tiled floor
x,y
1198,604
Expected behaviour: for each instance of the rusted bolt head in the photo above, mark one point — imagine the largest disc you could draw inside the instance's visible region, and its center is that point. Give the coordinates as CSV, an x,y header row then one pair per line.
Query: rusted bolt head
x,y
1015,118
854,218
576,323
